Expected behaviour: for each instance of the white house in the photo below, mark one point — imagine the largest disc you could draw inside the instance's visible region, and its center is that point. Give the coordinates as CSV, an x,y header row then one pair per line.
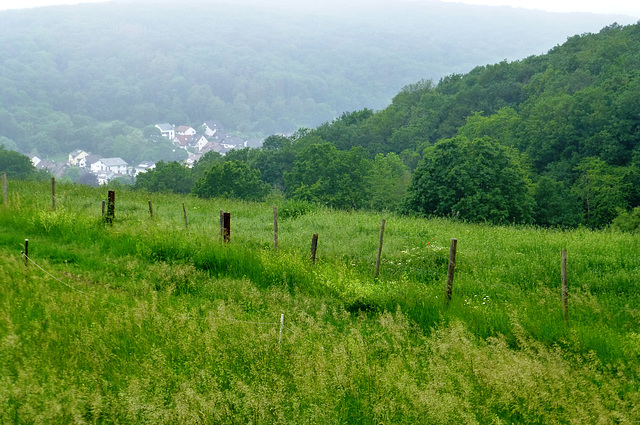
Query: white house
x,y
77,158
105,177
143,167
89,160
185,130
167,130
200,143
211,128
193,158
115,165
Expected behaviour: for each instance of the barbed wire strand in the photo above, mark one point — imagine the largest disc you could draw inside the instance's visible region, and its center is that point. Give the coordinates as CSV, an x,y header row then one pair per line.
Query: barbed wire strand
x,y
207,318
52,276
64,283
119,305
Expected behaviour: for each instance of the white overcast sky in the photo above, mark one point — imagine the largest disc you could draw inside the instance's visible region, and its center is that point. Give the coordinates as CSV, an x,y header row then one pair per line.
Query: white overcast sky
x,y
628,7
25,4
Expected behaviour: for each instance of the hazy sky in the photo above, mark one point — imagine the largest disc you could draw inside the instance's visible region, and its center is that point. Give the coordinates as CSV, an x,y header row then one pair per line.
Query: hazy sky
x,y
24,4
629,7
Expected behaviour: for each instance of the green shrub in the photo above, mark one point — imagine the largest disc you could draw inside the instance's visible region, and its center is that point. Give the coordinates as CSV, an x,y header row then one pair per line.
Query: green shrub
x,y
295,208
627,221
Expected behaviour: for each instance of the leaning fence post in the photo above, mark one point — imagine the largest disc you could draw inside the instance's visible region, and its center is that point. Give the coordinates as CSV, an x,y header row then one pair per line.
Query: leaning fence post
x,y
150,208
275,228
53,193
186,222
4,189
565,294
452,268
314,248
281,328
111,207
377,272
26,252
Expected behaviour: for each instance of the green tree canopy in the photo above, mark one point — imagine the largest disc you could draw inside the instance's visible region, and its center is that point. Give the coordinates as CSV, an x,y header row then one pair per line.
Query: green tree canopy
x,y
231,179
16,165
602,191
389,182
323,174
476,180
166,176
555,204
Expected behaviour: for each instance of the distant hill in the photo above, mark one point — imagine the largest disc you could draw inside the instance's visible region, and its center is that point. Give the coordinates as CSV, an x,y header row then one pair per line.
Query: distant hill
x,y
258,67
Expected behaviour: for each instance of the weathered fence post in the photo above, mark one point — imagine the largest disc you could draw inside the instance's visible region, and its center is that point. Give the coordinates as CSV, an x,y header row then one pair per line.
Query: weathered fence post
x,y
565,292
314,248
275,228
281,328
4,189
186,222
150,208
452,268
53,193
227,227
103,208
111,207
377,272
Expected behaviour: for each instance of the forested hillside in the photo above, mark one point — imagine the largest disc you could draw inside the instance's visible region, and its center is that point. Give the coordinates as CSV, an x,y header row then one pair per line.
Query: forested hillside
x,y
552,140
93,76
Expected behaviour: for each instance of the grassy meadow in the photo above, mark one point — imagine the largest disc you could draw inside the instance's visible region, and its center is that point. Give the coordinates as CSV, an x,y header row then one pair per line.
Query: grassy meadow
x,y
144,321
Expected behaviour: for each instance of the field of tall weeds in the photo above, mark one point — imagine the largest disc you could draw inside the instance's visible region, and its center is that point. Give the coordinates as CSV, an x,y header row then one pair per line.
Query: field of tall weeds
x,y
148,321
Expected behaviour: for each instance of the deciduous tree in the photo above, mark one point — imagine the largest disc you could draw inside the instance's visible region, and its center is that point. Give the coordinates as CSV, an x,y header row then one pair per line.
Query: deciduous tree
x,y
476,180
231,179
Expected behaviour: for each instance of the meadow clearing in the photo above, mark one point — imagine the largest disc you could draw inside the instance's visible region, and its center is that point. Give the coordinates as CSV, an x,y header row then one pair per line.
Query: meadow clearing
x,y
146,321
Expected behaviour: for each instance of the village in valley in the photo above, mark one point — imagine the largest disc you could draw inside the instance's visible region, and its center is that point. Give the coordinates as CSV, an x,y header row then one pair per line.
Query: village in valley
x,y
95,169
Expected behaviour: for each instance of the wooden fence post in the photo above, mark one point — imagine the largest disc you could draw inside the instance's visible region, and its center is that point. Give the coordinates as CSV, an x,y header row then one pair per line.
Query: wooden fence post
x,y
314,248
275,228
281,328
103,208
227,227
452,268
150,208
565,292
26,252
111,207
53,193
4,189
186,222
377,272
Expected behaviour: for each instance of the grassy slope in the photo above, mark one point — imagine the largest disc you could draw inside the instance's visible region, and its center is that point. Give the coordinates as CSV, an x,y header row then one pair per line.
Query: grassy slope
x,y
145,322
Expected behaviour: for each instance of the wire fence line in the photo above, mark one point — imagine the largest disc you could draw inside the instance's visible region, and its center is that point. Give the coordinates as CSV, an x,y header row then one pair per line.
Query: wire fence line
x,y
246,322
63,282
52,276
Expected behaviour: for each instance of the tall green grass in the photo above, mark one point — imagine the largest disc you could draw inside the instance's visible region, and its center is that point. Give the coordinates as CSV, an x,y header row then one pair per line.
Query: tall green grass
x,y
144,321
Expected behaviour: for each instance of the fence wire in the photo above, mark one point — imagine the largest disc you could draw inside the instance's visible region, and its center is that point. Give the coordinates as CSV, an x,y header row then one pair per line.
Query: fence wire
x,y
246,322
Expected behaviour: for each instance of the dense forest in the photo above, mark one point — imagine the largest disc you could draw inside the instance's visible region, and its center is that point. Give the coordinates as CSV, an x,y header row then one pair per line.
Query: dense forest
x,y
552,140
94,76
